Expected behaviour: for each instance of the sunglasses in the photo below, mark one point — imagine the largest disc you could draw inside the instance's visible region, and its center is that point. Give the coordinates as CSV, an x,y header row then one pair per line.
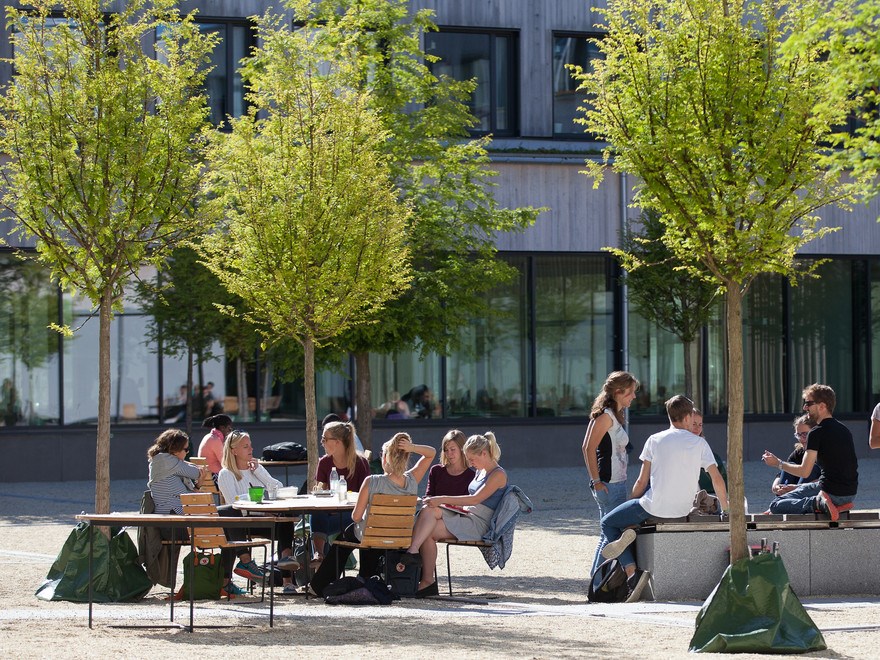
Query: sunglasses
x,y
807,404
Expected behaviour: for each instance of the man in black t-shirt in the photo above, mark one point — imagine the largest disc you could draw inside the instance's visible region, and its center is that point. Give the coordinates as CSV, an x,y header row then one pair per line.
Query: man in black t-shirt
x,y
830,445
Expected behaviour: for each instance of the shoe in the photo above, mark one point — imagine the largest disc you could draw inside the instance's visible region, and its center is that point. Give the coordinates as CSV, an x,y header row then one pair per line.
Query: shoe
x,y
636,584
430,590
290,589
827,506
250,571
288,563
613,549
231,589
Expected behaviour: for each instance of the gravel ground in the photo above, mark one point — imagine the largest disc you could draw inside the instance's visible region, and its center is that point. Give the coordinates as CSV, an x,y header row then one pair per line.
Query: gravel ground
x,y
536,607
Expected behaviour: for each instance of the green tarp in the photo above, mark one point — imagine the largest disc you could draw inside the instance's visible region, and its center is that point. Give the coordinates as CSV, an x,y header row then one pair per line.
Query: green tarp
x,y
754,610
117,576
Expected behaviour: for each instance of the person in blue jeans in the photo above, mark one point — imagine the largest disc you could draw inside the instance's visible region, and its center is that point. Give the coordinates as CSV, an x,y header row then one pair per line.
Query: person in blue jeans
x,y
671,462
830,445
604,446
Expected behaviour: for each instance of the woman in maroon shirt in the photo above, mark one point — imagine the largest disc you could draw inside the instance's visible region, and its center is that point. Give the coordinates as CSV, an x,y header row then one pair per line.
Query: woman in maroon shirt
x,y
451,476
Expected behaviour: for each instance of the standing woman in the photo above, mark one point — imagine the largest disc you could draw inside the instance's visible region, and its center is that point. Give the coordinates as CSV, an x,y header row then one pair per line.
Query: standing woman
x,y
605,444
452,475
211,446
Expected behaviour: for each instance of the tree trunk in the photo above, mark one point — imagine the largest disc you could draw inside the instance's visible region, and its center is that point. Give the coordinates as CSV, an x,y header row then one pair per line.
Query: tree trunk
x,y
688,375
189,397
736,491
241,375
102,448
311,410
363,395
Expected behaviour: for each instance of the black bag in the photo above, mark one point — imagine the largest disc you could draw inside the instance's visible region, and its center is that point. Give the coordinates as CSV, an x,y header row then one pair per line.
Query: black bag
x,y
608,584
204,570
285,451
402,576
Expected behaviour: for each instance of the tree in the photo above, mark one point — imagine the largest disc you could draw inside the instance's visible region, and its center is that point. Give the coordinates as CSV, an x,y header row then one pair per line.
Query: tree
x,y
313,235
722,115
441,173
102,145
664,291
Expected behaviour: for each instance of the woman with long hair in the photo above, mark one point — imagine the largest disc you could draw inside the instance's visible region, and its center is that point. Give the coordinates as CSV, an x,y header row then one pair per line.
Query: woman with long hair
x,y
452,475
395,480
604,446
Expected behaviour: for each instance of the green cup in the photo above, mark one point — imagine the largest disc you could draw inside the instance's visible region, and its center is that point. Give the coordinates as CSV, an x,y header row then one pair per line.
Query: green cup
x,y
256,493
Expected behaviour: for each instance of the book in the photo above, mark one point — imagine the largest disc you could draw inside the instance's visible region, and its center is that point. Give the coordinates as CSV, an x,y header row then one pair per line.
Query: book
x,y
455,509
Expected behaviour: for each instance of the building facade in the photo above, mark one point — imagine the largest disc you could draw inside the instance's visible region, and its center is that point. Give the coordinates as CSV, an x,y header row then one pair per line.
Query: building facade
x,y
533,371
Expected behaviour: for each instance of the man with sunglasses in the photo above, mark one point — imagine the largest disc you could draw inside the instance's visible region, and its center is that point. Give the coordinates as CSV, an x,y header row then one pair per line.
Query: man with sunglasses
x,y
830,446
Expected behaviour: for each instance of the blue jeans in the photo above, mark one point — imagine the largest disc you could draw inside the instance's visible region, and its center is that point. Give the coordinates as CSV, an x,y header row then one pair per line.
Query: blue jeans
x,y
606,501
804,499
628,514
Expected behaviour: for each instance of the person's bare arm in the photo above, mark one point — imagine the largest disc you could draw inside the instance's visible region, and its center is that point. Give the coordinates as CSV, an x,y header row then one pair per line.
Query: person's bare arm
x,y
874,438
595,432
718,485
802,470
641,484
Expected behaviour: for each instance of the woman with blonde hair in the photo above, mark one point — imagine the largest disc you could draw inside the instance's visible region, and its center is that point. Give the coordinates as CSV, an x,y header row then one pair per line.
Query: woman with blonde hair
x,y
467,517
395,480
452,475
604,446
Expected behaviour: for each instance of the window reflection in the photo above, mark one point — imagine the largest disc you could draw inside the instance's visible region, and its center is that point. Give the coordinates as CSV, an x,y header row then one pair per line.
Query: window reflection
x,y
574,49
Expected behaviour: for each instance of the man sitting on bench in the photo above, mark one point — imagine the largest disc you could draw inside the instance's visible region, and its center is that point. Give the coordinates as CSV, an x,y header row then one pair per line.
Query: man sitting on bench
x,y
671,462
830,444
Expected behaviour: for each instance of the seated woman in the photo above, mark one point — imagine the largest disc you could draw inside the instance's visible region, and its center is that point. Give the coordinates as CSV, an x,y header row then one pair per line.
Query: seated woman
x,y
786,482
211,446
394,481
338,440
170,477
435,524
452,475
240,472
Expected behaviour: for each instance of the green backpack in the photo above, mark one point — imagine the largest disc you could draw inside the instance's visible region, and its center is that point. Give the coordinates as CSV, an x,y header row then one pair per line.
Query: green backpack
x,y
204,571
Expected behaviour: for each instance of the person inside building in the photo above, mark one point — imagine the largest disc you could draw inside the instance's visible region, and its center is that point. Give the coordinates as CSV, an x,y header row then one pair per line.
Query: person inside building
x,y
395,480
671,462
786,482
452,475
211,446
830,445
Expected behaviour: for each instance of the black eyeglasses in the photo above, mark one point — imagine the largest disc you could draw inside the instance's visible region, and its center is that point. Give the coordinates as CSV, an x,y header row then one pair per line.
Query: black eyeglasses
x,y
807,404
802,434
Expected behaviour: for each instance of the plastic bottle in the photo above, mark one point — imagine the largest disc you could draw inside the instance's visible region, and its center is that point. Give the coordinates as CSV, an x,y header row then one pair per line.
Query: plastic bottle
x,y
334,480
342,489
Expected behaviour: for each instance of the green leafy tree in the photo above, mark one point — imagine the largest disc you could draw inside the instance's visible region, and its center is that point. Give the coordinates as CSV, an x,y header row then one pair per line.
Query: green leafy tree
x,y
722,116
101,144
664,291
441,173
313,235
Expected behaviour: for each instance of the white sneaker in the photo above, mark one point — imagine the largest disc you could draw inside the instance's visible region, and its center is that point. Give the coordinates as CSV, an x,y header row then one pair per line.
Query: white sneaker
x,y
287,563
290,589
635,584
613,549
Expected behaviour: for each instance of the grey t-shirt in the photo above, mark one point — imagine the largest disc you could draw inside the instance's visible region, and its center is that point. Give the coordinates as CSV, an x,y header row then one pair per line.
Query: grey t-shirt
x,y
380,484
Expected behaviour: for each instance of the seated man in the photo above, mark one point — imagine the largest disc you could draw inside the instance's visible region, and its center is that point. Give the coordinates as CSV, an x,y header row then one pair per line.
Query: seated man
x,y
671,462
830,445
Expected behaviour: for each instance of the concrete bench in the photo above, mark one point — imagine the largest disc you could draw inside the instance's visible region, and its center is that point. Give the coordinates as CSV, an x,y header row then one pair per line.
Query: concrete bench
x,y
687,556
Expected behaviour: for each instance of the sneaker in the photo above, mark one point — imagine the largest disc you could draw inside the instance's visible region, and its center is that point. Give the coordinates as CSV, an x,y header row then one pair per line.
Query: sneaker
x,y
613,549
290,589
636,584
827,506
231,589
287,563
250,571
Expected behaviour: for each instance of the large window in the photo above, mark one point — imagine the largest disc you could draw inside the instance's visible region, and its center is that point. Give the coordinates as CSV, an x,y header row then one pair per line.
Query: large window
x,y
224,84
764,346
569,50
491,60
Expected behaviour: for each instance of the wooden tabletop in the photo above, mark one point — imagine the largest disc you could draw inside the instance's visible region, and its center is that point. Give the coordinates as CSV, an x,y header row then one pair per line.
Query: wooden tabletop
x,y
296,504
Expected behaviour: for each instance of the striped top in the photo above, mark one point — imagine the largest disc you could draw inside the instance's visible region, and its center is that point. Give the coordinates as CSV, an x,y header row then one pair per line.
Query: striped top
x,y
169,478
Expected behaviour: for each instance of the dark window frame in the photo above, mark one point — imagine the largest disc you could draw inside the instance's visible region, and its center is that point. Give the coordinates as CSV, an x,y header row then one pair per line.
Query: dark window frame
x,y
567,34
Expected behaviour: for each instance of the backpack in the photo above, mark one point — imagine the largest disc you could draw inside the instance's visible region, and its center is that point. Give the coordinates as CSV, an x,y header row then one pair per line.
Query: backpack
x,y
285,451
608,584
204,570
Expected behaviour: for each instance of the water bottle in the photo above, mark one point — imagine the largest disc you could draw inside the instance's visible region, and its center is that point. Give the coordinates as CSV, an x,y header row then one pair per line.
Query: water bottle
x,y
342,489
334,480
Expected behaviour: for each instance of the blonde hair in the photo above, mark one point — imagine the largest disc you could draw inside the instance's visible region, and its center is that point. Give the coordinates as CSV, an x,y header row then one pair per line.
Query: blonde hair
x,y
232,441
344,432
394,459
617,381
459,439
480,443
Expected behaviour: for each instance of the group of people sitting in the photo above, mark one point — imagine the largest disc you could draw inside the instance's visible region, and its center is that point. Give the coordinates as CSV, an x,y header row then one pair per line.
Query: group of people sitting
x,y
468,475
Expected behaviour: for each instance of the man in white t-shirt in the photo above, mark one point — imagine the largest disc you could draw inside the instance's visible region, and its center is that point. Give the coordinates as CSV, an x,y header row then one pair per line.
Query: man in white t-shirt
x,y
874,438
671,462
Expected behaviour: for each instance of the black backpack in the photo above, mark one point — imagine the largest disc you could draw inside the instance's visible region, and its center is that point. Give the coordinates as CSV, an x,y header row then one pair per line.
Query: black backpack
x,y
609,583
285,451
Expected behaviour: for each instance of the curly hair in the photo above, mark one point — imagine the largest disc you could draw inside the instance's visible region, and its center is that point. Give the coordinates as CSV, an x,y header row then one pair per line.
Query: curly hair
x,y
169,442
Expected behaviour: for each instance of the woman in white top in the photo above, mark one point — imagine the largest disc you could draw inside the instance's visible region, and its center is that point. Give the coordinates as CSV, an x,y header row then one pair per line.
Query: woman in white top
x,y
604,446
240,472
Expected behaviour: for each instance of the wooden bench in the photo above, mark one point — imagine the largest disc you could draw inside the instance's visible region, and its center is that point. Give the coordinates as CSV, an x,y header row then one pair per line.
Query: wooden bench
x,y
686,557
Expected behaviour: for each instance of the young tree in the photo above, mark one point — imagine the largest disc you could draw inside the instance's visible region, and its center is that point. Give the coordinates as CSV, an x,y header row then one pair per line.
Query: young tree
x,y
441,173
664,291
101,144
723,120
313,238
